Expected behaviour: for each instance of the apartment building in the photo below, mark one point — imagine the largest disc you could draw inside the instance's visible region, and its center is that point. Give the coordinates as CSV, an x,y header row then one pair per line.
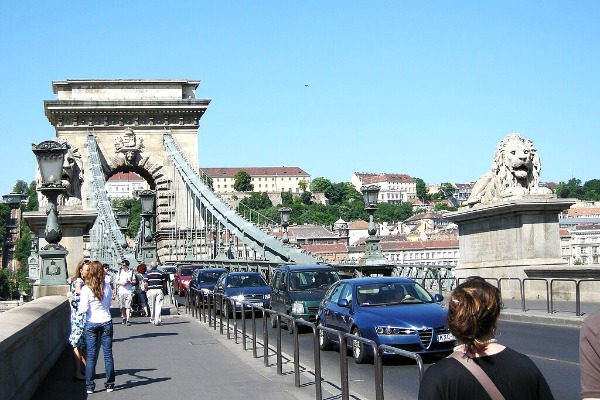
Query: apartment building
x,y
264,179
394,188
124,185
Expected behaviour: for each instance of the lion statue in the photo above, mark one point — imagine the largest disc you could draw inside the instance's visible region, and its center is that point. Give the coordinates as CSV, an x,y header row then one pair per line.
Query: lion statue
x,y
515,173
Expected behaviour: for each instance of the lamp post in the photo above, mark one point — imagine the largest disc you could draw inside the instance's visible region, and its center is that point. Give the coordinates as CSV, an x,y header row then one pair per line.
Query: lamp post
x,y
123,222
147,198
13,200
373,254
50,158
284,215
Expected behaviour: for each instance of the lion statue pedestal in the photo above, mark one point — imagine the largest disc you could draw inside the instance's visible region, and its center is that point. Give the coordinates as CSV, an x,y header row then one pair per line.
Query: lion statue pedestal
x,y
509,228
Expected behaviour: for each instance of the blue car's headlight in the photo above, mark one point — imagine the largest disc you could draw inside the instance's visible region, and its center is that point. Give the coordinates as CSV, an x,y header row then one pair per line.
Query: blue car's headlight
x,y
390,330
239,297
268,296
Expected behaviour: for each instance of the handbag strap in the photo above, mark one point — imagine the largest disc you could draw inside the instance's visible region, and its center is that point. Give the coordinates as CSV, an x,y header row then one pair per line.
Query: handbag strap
x,y
479,374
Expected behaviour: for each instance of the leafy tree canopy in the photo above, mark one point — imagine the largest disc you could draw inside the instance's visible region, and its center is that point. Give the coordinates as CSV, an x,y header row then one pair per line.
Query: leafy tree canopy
x,y
243,182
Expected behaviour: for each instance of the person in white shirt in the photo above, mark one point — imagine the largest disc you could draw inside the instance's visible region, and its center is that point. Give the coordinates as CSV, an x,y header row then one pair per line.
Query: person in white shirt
x,y
124,282
95,299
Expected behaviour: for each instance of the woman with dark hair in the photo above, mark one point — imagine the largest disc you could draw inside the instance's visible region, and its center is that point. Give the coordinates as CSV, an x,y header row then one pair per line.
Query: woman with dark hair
x,y
96,297
77,321
140,290
473,312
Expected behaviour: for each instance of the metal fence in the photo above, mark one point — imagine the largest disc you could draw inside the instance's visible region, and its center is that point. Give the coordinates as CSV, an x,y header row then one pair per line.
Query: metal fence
x,y
205,306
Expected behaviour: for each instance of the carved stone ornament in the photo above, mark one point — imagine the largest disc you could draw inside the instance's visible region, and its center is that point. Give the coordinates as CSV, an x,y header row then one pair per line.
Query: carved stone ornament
x,y
515,173
129,146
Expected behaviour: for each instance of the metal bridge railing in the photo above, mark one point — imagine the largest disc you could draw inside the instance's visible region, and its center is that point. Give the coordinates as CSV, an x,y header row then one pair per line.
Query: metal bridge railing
x,y
203,305
105,236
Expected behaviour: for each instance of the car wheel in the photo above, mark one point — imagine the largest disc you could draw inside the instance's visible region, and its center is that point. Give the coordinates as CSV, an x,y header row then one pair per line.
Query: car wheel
x,y
358,349
324,342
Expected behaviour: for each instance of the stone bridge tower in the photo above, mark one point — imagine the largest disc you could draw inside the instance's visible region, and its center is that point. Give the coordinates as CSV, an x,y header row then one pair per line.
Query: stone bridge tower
x,y
128,119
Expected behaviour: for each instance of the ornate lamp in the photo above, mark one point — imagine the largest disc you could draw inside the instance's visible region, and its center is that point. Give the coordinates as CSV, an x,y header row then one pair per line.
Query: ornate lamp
x,y
13,200
50,158
147,198
123,222
373,254
284,215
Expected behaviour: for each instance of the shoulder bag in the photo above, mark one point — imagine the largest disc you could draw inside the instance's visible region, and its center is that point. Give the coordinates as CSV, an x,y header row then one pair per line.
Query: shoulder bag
x,y
479,374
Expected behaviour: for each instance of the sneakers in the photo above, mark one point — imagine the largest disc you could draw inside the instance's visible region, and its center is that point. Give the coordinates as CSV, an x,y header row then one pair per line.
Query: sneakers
x,y
128,323
89,391
110,388
123,321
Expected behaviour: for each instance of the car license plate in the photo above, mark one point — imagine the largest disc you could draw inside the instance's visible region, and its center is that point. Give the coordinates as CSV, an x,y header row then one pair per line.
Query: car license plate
x,y
445,337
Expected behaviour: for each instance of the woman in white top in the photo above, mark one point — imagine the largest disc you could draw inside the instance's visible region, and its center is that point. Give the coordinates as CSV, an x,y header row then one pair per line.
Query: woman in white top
x,y
95,301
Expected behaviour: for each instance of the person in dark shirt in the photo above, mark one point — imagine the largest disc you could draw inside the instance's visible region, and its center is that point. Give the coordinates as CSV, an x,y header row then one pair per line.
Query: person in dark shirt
x,y
473,312
154,280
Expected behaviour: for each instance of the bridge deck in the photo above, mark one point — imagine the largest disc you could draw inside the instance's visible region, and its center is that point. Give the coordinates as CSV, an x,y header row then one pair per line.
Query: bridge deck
x,y
180,359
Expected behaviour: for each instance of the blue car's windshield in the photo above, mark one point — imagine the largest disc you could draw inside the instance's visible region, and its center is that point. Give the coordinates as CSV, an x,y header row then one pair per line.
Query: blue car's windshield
x,y
209,277
245,280
381,294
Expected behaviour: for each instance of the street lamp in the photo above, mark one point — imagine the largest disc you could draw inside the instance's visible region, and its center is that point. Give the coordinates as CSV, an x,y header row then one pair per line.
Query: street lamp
x,y
50,158
123,222
13,200
147,198
373,254
284,215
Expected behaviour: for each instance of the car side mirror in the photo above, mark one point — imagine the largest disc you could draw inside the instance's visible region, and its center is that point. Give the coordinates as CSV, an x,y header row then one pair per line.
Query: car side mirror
x,y
343,303
438,298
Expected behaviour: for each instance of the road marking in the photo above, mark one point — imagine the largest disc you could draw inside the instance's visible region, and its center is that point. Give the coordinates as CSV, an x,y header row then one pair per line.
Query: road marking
x,y
552,359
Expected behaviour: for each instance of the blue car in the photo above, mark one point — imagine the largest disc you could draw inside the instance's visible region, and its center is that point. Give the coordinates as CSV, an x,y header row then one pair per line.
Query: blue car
x,y
204,279
396,312
242,286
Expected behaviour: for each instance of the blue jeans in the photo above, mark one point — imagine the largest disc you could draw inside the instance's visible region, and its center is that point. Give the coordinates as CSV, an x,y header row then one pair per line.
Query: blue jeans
x,y
96,335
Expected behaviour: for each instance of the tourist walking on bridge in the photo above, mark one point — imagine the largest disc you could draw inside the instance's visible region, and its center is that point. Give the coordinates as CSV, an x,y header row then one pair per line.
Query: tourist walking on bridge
x,y
480,367
96,297
77,321
155,280
124,282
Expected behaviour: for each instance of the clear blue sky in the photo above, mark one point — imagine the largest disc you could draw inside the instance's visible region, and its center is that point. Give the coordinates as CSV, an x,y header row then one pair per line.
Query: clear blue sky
x,y
422,88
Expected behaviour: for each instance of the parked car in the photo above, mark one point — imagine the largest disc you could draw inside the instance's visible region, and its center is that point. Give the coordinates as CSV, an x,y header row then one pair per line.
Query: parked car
x,y
181,279
297,290
397,312
168,269
205,279
242,286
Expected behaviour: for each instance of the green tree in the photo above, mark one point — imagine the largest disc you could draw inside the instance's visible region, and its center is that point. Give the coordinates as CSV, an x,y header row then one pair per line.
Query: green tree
x,y
320,184
306,197
444,206
5,286
422,190
243,182
570,189
303,185
286,198
32,199
257,201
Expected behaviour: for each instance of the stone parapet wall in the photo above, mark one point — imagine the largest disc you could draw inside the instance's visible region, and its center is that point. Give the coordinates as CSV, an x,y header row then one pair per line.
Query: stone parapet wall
x,y
32,338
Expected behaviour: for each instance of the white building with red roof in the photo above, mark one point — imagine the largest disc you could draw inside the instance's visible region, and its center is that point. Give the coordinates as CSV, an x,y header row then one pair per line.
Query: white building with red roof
x,y
264,179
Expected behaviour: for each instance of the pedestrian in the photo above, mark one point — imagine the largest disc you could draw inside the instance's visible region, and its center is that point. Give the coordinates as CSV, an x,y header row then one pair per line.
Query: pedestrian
x,y
141,288
473,312
96,297
589,357
124,282
108,277
155,280
76,339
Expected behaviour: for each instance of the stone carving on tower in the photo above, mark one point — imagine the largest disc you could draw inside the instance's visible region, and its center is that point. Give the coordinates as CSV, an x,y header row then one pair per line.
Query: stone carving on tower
x,y
128,148
515,174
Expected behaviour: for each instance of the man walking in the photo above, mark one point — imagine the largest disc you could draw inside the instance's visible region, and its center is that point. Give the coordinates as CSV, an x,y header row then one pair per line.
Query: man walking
x,y
124,281
155,279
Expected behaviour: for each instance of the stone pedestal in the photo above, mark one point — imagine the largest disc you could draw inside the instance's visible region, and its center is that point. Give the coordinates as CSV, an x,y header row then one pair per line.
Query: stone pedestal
x,y
510,238
74,224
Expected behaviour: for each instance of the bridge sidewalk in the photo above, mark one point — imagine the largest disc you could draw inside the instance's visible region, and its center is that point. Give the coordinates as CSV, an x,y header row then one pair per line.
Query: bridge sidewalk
x,y
182,358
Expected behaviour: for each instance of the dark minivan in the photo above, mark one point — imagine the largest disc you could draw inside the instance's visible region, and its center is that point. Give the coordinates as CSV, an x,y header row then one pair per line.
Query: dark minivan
x,y
297,290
